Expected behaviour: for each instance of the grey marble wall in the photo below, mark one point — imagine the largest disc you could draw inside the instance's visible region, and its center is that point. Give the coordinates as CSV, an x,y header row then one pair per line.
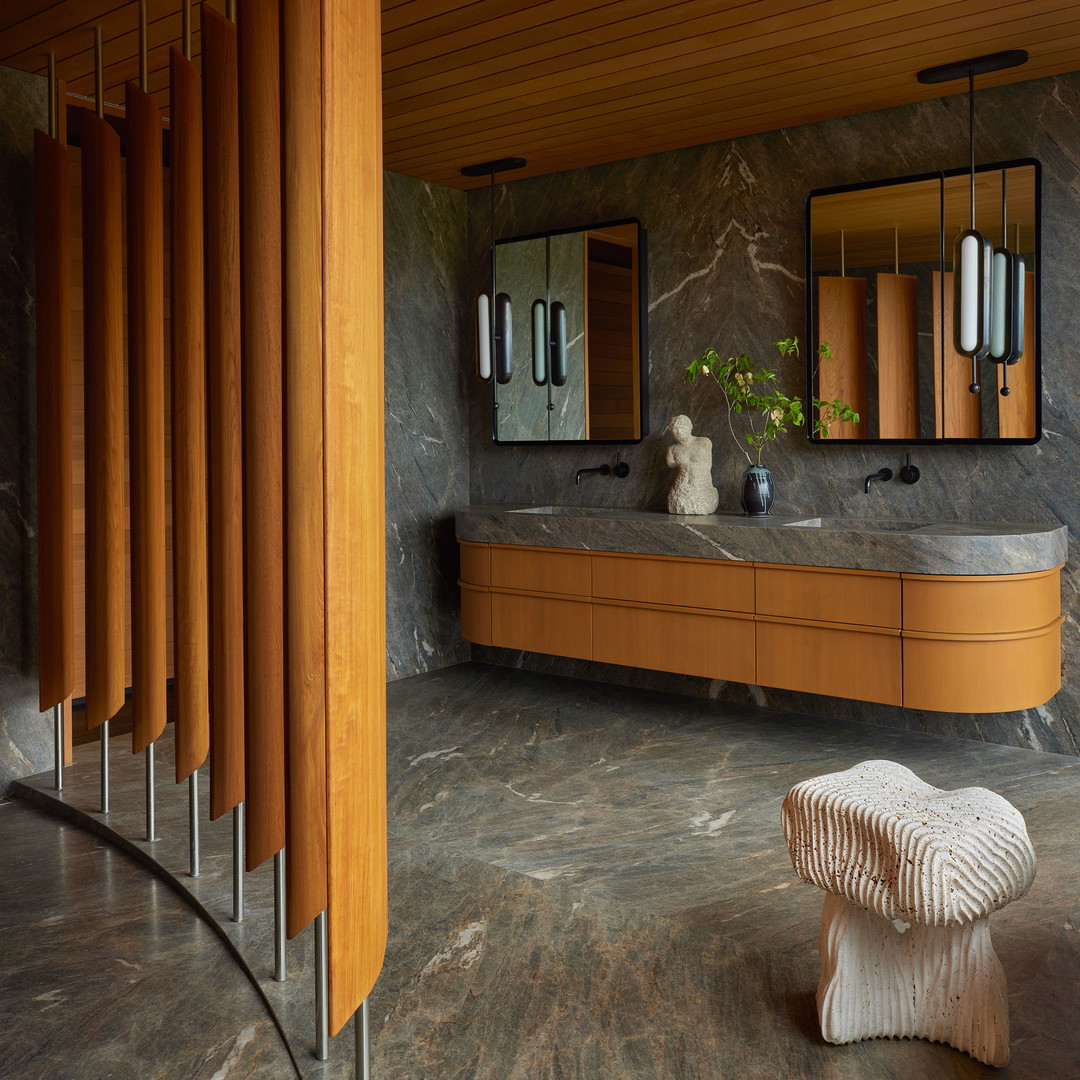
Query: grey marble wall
x,y
427,463
725,249
25,735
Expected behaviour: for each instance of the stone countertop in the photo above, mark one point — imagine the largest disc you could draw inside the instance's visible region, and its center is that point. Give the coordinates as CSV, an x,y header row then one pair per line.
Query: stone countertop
x,y
889,544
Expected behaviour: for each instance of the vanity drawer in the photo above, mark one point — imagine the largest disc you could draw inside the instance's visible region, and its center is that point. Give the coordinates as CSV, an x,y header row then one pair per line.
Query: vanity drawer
x,y
981,605
979,673
475,562
675,639
475,614
549,570
858,597
715,584
561,626
860,662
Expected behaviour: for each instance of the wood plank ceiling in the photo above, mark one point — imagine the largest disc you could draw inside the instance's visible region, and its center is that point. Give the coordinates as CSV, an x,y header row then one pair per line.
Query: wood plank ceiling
x,y
569,83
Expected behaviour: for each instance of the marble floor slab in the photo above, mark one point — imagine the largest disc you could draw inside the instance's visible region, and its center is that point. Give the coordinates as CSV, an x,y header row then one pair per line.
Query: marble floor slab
x,y
591,882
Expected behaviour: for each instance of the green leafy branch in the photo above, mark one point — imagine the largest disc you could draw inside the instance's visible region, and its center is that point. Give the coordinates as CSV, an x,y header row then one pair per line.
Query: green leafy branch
x,y
754,393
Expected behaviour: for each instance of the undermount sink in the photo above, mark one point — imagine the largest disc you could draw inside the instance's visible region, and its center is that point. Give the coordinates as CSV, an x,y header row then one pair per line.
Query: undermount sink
x,y
565,511
854,524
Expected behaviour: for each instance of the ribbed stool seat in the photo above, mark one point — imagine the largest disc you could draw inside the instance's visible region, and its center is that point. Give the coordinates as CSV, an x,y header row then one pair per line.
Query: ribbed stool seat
x,y
913,874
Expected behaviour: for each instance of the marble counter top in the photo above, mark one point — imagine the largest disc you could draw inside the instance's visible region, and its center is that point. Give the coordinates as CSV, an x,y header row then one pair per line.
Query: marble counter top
x,y
890,544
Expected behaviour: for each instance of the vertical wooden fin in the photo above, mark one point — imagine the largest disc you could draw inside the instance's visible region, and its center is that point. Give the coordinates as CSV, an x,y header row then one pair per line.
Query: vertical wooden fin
x,y
1016,413
188,360
842,323
305,820
104,419
146,415
222,219
958,412
898,356
355,542
260,258
56,619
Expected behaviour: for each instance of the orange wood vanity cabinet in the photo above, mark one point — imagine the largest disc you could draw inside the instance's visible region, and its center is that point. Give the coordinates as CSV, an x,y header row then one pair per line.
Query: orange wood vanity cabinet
x,y
956,644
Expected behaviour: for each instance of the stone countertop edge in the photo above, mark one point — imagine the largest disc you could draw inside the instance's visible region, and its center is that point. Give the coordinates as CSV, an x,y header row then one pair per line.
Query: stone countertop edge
x,y
945,547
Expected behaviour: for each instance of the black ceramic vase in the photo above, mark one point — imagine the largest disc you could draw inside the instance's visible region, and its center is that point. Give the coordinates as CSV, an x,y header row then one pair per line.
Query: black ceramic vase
x,y
757,491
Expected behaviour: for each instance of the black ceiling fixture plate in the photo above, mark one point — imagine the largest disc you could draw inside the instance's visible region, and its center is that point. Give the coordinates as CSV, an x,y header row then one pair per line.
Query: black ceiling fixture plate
x,y
979,65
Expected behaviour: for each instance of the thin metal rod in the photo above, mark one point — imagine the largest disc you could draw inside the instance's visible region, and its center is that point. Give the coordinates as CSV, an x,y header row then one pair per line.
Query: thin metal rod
x,y
104,737
151,805
193,823
971,140
1004,227
238,862
322,989
362,1032
185,19
58,748
53,121
279,916
843,272
99,75
144,67
230,10
896,248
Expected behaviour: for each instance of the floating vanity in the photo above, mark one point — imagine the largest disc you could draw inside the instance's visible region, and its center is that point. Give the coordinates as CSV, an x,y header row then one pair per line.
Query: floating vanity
x,y
947,616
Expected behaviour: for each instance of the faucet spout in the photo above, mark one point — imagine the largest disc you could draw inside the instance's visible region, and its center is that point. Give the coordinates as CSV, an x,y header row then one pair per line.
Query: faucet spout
x,y
603,470
881,474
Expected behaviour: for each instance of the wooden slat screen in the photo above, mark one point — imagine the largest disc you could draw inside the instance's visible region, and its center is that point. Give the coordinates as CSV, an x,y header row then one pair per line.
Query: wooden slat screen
x,y
897,356
841,323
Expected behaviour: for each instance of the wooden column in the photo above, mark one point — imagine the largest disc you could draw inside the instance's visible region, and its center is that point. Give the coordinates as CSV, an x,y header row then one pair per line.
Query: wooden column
x,y
898,356
146,415
104,419
305,728
842,323
1016,413
957,411
222,218
56,619
188,369
260,234
354,523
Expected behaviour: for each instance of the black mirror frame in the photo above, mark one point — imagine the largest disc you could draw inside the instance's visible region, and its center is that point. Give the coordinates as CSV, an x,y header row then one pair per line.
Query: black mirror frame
x,y
810,353
643,340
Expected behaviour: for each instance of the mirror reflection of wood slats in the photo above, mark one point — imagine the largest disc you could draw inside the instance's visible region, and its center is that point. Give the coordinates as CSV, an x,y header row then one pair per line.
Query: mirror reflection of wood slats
x,y
258,422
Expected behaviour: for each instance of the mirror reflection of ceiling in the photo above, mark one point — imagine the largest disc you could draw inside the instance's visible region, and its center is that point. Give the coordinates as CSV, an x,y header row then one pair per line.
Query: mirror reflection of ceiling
x,y
570,83
872,236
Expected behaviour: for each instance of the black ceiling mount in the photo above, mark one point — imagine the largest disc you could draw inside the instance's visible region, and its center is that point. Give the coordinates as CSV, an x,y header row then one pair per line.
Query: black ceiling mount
x,y
979,65
490,168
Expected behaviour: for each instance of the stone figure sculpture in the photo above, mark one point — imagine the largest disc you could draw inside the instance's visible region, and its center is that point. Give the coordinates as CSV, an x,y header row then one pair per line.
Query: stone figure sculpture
x,y
912,874
691,458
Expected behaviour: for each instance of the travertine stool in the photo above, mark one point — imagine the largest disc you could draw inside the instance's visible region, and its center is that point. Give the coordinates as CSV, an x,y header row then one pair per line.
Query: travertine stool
x,y
912,873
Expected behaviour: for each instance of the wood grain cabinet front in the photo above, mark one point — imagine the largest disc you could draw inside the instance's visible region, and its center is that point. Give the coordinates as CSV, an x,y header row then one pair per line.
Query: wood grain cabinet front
x,y
972,644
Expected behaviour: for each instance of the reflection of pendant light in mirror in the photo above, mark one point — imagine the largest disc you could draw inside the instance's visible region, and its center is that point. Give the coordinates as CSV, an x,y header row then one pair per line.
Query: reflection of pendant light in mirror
x,y
972,256
1007,306
494,325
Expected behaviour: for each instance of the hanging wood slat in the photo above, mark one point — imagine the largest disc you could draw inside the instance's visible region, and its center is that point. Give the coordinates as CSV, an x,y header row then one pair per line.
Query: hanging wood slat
x,y
898,356
103,346
355,542
842,323
305,820
957,411
56,619
260,258
1016,413
188,370
222,218
146,415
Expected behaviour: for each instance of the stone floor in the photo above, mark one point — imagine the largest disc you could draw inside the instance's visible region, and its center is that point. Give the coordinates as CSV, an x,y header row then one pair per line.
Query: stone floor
x,y
586,882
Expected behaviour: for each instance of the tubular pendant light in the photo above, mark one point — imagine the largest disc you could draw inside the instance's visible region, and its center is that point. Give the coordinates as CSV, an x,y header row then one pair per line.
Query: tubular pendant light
x,y
488,336
558,343
1007,315
972,252
539,343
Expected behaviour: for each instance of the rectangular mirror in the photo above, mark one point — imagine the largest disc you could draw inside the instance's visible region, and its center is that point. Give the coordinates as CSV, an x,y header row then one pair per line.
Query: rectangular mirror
x,y
570,336
879,259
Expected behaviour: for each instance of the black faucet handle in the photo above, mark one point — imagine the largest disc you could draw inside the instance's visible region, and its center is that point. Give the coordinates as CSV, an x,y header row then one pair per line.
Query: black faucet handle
x,y
909,473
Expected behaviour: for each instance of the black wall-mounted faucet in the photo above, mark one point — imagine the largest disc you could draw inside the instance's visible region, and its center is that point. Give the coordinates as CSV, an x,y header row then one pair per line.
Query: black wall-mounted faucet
x,y
621,469
881,474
